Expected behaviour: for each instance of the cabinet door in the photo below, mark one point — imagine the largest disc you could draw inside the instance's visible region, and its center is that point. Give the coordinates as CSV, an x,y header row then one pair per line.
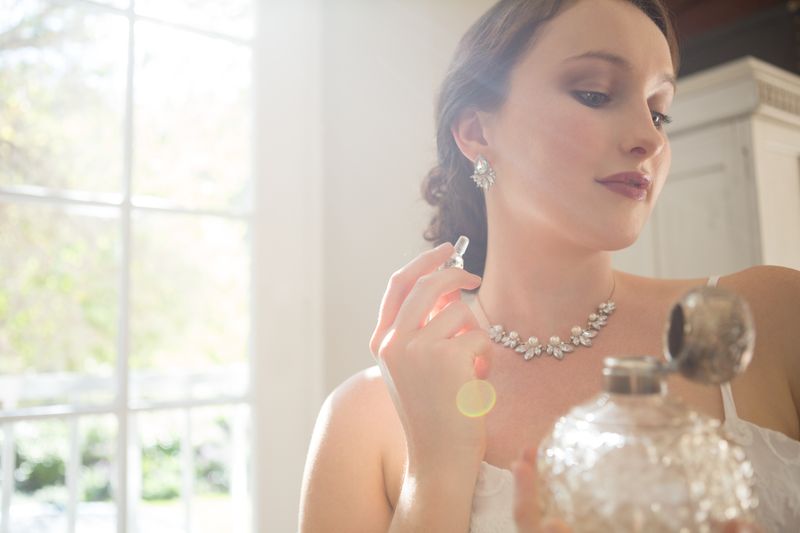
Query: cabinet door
x,y
706,219
776,156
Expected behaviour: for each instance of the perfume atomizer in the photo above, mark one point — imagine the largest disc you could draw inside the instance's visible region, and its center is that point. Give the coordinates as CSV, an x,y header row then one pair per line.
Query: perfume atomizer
x,y
457,259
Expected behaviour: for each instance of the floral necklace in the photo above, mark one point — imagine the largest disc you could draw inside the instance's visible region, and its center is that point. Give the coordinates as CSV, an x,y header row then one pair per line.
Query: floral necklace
x,y
579,336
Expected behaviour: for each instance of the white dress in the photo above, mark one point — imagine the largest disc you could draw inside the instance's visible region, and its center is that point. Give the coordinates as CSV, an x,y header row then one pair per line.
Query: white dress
x,y
774,456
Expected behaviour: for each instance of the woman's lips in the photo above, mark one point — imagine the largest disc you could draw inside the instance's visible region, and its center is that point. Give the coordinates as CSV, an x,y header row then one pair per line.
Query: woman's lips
x,y
634,184
631,191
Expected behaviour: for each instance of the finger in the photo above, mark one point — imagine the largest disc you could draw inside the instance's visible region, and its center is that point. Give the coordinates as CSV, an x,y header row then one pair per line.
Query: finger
x,y
471,345
471,351
482,366
739,526
527,514
455,318
552,525
427,291
526,503
442,302
401,284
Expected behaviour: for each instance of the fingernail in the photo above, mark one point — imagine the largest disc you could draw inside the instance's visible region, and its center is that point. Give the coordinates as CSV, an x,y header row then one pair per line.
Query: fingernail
x,y
549,525
529,455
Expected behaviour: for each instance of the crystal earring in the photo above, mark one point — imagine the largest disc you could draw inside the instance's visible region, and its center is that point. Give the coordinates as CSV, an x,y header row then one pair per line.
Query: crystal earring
x,y
484,173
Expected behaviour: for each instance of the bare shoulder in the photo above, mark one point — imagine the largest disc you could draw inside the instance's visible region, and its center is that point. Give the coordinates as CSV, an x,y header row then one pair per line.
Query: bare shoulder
x,y
343,482
358,406
777,284
773,293
361,396
362,403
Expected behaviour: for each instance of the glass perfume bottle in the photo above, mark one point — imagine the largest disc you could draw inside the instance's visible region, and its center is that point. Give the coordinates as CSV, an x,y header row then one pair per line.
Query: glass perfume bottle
x,y
635,459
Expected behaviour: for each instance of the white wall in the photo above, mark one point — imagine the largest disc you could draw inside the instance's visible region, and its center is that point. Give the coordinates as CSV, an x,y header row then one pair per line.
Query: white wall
x,y
383,62
287,254
344,136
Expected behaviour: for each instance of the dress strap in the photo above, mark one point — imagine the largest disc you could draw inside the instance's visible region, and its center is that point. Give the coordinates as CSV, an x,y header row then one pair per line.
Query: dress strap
x,y
728,406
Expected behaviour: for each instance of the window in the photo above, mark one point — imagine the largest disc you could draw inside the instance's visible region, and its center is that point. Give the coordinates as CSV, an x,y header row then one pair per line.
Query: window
x,y
125,244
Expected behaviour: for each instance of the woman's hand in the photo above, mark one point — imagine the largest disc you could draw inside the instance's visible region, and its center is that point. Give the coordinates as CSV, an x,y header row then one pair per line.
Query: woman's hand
x,y
427,342
527,515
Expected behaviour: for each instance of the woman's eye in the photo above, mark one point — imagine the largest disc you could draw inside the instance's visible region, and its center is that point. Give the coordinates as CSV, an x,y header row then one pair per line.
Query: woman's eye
x,y
659,119
592,98
596,99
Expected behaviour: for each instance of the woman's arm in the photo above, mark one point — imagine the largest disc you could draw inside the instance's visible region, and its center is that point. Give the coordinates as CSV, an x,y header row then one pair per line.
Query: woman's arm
x,y
343,484
344,487
768,393
779,297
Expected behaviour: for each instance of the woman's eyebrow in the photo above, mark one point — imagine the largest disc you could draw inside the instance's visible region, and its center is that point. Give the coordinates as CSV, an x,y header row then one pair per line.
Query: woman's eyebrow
x,y
619,61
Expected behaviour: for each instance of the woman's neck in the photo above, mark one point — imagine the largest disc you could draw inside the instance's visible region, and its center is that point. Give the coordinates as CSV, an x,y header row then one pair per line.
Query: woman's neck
x,y
543,289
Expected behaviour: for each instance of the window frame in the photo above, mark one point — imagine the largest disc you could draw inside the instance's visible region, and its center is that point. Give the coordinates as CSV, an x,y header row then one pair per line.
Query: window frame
x,y
124,485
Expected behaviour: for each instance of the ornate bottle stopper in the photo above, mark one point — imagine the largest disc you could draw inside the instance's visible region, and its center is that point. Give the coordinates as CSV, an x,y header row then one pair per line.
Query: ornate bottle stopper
x,y
710,335
709,339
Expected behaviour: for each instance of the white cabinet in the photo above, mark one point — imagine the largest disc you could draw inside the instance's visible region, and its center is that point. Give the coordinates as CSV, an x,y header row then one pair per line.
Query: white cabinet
x,y
732,199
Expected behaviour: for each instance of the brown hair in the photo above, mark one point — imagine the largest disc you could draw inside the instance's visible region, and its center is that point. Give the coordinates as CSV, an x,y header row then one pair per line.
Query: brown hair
x,y
478,78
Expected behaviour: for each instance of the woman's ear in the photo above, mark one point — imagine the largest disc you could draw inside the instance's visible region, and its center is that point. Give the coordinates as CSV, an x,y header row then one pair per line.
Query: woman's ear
x,y
469,132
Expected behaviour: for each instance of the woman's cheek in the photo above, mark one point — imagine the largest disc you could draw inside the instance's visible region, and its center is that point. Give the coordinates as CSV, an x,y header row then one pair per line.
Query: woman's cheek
x,y
575,141
662,171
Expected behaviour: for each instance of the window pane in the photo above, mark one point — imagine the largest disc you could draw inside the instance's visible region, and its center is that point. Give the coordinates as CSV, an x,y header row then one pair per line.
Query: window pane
x,y
232,17
159,439
221,501
96,510
40,497
62,77
192,118
190,278
208,444
6,458
58,304
120,4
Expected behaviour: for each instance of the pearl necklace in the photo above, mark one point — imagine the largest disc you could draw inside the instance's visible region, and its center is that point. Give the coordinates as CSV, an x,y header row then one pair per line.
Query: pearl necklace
x,y
555,347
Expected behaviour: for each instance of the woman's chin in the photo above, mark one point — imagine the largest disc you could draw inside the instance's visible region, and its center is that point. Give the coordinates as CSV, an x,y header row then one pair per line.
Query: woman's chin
x,y
620,240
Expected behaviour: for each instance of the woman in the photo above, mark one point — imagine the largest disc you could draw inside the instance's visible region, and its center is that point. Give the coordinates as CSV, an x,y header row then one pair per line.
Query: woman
x,y
548,100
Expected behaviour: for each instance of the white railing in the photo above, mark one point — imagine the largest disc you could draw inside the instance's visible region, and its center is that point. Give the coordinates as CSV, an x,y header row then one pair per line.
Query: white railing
x,y
25,397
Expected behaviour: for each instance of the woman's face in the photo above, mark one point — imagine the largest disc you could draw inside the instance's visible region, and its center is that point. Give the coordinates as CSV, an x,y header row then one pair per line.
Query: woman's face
x,y
568,121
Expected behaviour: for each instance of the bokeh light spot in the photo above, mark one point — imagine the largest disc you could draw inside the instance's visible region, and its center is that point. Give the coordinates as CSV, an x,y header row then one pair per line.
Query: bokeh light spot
x,y
476,398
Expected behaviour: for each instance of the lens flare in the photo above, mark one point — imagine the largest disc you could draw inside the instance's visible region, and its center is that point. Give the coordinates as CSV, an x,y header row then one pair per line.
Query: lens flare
x,y
476,398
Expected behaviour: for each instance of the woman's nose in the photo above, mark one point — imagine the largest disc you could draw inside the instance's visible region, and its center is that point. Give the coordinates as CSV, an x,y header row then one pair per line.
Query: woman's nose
x,y
641,137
